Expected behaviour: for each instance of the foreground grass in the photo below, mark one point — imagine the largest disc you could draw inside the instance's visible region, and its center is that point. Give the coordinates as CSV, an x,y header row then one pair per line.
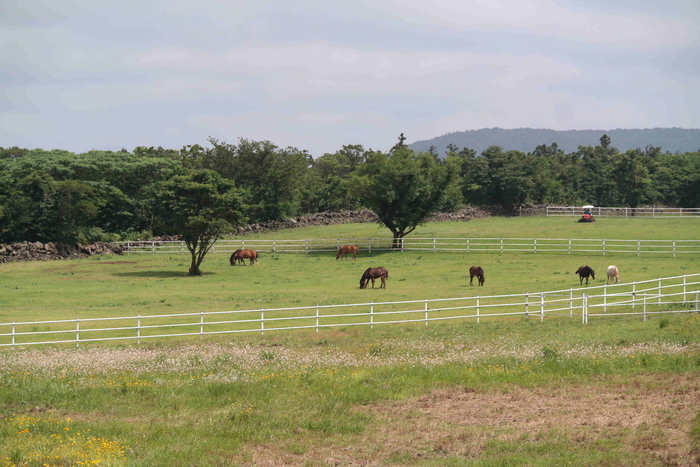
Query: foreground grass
x,y
383,397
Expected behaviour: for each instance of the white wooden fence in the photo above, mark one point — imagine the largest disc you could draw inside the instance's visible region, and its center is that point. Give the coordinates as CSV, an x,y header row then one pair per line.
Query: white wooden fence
x,y
466,245
646,212
679,294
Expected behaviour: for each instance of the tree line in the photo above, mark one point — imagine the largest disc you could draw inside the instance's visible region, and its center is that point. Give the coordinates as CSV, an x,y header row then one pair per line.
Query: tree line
x,y
56,195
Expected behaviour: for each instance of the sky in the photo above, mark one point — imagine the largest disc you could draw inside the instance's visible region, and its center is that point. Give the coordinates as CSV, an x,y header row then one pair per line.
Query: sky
x,y
318,74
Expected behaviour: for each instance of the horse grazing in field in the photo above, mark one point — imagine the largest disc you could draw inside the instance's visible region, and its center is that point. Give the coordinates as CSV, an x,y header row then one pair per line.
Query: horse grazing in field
x,y
613,274
242,255
344,250
372,274
584,272
478,272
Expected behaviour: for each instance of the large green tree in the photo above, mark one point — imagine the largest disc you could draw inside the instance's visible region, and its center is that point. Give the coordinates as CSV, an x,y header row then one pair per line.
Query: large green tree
x,y
199,207
404,188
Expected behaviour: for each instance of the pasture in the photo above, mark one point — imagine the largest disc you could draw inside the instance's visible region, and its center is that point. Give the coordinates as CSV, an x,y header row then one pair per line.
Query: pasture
x,y
505,392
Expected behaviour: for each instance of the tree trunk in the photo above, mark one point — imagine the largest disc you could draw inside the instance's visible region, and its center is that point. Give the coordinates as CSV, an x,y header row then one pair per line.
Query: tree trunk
x,y
194,266
397,241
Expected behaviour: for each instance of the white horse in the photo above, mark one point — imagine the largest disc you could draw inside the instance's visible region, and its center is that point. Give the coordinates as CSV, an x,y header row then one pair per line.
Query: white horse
x,y
613,274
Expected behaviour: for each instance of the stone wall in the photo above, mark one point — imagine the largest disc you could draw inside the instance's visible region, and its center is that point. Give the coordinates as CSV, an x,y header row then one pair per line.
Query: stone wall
x,y
351,217
37,251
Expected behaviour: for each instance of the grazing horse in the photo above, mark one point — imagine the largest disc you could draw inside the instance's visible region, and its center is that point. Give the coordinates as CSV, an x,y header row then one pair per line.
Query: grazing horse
x,y
372,274
584,272
478,272
242,255
345,249
613,274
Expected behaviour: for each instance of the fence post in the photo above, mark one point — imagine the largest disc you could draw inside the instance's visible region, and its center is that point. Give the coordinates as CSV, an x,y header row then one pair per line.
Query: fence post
x,y
639,248
77,332
605,298
478,319
571,302
153,247
501,246
182,248
534,245
584,309
128,247
201,325
603,247
674,248
467,244
542,306
307,246
274,246
527,305
426,311
262,321
138,330
434,245
569,246
369,246
316,317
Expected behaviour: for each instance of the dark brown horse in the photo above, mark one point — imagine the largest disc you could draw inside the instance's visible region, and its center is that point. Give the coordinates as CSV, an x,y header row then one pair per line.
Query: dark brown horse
x,y
344,250
242,255
584,272
478,272
372,274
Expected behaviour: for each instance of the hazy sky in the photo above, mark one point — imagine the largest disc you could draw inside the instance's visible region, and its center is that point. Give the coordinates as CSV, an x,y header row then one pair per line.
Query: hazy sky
x,y
316,75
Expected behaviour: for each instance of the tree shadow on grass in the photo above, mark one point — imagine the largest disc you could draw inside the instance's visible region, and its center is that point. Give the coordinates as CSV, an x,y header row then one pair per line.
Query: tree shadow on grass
x,y
160,274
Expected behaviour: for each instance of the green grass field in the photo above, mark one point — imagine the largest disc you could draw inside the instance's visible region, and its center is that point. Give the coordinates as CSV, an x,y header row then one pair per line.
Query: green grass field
x,y
618,391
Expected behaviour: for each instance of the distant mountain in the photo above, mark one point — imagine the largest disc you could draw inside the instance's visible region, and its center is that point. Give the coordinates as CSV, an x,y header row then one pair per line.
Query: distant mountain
x,y
527,139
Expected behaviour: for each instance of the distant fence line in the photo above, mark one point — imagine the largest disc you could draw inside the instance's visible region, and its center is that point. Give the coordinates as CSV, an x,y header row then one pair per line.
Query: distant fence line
x,y
465,245
646,212
679,294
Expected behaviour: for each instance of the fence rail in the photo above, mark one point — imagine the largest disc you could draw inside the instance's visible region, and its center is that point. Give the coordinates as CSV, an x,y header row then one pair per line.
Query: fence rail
x,y
567,246
646,212
679,294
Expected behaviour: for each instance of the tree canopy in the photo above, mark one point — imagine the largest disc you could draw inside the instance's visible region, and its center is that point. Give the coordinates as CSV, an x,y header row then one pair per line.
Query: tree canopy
x,y
56,195
199,207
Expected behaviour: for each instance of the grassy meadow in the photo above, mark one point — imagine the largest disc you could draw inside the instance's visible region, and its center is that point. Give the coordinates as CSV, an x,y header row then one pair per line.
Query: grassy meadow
x,y
618,392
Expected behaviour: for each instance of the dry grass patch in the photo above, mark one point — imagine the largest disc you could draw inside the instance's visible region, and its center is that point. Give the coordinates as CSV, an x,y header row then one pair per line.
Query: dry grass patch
x,y
645,417
647,413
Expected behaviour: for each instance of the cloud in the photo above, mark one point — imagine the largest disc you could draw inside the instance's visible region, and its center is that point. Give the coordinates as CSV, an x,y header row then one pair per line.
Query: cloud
x,y
560,20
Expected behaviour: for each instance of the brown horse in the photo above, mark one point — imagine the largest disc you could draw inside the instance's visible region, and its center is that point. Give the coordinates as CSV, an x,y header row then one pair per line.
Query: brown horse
x,y
345,249
242,255
584,272
478,272
372,274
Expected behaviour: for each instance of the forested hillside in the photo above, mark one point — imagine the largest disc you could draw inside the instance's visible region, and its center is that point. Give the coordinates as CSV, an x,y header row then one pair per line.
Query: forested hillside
x,y
55,195
527,139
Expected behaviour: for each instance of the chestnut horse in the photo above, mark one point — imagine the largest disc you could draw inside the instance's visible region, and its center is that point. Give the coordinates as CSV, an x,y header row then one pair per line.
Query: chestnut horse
x,y
584,272
478,272
345,249
372,274
242,255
